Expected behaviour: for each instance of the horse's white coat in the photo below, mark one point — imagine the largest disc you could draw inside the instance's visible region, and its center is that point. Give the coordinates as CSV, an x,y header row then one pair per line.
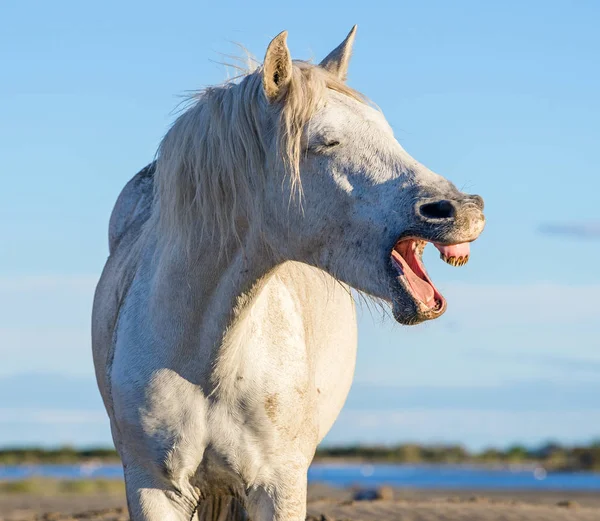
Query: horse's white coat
x,y
224,351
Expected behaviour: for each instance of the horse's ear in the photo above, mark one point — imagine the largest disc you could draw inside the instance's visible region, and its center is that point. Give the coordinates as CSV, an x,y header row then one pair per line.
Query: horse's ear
x,y
277,69
337,60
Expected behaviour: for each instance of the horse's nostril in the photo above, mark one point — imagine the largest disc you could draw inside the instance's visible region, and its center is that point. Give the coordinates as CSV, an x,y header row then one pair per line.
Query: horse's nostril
x,y
439,210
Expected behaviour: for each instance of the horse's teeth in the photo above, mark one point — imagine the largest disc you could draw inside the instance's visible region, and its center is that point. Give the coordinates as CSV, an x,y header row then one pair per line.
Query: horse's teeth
x,y
454,261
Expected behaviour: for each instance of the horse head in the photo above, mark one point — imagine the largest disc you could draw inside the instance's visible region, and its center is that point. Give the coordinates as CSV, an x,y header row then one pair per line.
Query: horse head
x,y
365,209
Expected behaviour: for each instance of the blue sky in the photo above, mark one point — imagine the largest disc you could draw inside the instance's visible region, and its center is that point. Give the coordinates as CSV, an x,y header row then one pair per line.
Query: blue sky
x,y
500,98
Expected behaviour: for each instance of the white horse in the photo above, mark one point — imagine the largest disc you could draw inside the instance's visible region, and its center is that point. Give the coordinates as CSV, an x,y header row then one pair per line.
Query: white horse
x,y
224,330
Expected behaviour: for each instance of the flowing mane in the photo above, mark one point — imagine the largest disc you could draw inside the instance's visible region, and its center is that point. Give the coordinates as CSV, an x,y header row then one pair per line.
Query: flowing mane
x,y
210,165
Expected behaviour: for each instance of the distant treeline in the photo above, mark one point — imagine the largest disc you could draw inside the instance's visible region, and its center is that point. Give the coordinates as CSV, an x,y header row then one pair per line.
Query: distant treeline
x,y
62,455
550,456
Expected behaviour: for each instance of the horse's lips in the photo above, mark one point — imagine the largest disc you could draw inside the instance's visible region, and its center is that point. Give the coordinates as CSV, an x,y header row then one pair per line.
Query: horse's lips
x,y
454,250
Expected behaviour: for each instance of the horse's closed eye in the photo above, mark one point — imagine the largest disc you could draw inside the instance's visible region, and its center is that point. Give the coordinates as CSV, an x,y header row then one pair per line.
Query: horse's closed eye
x,y
323,146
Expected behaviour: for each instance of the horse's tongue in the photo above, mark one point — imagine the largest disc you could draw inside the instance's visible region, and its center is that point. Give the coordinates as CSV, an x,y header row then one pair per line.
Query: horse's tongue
x,y
422,289
456,250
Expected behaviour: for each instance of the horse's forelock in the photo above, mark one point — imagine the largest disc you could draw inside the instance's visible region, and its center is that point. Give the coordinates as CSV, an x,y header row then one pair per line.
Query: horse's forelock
x,y
210,163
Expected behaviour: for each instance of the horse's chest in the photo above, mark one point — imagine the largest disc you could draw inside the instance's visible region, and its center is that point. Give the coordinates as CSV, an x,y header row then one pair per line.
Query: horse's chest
x,y
278,382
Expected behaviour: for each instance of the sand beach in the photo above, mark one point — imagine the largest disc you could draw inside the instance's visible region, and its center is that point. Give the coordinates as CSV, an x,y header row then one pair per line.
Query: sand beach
x,y
330,504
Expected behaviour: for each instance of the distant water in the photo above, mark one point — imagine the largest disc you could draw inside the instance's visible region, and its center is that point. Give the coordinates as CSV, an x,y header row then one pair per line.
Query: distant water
x,y
88,470
343,475
449,476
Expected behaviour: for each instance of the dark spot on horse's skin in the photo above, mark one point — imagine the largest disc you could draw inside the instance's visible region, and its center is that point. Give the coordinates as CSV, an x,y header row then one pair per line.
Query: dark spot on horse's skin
x,y
358,243
271,405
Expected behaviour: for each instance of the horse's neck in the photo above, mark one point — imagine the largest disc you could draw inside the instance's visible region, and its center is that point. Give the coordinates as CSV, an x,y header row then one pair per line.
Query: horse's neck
x,y
209,296
208,286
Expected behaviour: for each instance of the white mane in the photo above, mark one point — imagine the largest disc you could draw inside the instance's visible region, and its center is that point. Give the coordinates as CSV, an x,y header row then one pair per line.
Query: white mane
x,y
211,163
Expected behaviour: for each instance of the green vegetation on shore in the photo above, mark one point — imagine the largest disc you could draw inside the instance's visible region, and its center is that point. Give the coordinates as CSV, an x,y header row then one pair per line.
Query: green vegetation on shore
x,y
551,456
61,455
54,487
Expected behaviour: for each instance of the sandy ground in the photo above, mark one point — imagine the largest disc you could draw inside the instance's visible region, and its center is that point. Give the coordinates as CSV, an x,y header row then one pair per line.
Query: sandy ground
x,y
326,504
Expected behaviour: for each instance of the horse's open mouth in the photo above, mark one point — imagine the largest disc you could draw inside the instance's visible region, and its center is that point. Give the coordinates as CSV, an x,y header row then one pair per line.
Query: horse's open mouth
x,y
407,260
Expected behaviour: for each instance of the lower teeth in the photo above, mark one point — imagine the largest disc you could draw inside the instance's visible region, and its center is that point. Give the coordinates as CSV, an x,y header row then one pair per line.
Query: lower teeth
x,y
454,261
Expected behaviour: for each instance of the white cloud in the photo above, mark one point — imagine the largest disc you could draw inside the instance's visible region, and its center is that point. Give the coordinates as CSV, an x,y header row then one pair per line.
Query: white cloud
x,y
475,427
34,302
490,334
45,323
51,416
492,305
45,327
481,306
62,350
41,283
52,427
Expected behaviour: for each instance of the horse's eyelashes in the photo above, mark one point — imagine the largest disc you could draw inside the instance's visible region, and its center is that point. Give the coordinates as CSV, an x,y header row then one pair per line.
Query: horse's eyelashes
x,y
323,146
